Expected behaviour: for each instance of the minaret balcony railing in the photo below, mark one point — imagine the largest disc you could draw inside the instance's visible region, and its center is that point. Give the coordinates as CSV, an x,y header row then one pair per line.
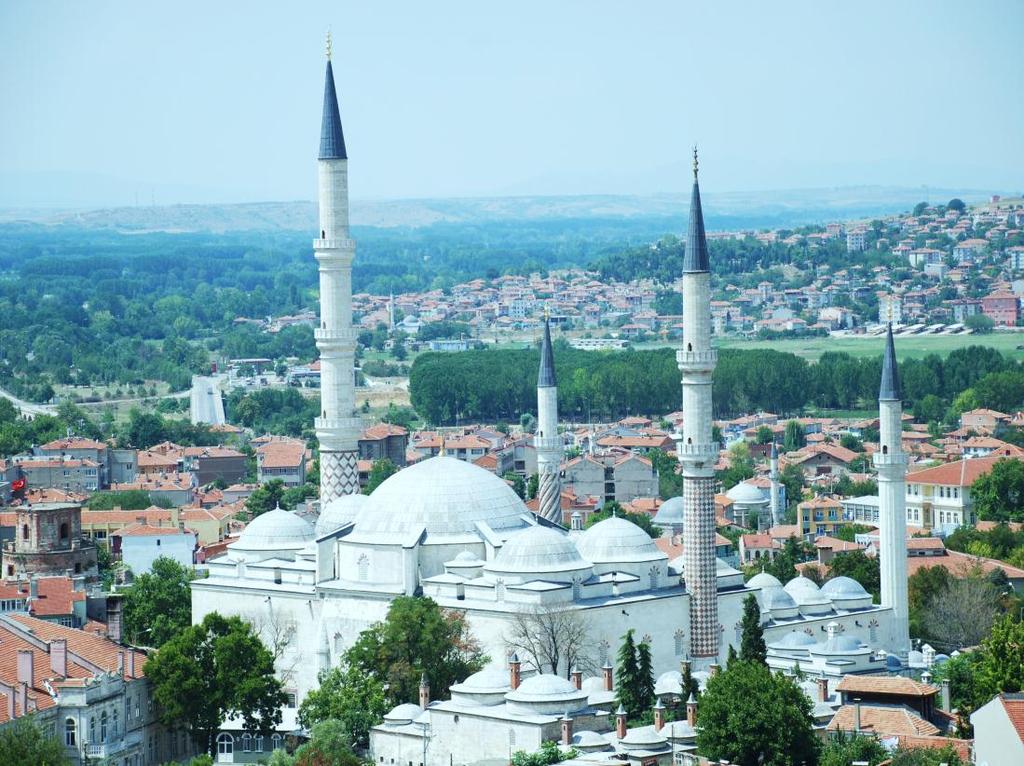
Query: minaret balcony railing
x,y
547,444
334,244
707,451
336,335
890,458
338,424
696,359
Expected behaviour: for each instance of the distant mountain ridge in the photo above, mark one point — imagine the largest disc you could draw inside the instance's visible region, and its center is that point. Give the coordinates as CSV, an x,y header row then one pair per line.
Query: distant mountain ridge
x,y
726,210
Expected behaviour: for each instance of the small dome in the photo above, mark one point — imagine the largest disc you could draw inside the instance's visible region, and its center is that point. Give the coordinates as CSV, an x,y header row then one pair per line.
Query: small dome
x,y
915,659
722,569
487,679
843,587
746,493
776,598
670,682
805,592
892,662
403,714
467,557
339,512
275,530
794,640
590,741
546,693
643,737
670,513
764,580
839,645
446,496
593,684
616,540
537,550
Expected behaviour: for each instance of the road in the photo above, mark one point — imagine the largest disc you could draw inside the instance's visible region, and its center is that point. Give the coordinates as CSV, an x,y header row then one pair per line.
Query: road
x,y
28,409
207,406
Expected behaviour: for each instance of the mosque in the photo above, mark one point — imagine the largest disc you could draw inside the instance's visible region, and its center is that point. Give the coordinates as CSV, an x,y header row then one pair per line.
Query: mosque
x,y
450,530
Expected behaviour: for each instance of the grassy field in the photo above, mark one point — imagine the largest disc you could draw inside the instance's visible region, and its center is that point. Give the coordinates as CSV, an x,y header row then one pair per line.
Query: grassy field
x,y
910,347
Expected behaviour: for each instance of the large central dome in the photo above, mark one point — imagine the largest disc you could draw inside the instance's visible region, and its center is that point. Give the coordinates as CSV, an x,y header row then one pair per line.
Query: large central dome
x,y
443,494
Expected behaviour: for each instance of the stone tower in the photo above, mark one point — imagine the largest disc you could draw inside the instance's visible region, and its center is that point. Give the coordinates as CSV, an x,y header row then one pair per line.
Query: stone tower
x,y
773,475
697,449
337,428
891,462
48,542
546,441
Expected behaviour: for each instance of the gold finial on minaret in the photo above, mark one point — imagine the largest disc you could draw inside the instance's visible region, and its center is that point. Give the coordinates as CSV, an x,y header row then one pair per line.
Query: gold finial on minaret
x,y
695,162
329,45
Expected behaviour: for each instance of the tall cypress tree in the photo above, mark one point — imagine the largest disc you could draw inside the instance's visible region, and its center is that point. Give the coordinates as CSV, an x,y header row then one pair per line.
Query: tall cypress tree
x,y
628,675
690,685
752,647
645,677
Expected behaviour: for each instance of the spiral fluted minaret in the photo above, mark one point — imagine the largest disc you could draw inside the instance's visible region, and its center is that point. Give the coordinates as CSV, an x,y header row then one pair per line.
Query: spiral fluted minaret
x,y
546,441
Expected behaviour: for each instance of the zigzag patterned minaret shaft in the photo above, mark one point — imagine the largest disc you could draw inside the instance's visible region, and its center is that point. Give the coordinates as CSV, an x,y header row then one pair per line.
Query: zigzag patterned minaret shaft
x,y
546,441
337,428
697,450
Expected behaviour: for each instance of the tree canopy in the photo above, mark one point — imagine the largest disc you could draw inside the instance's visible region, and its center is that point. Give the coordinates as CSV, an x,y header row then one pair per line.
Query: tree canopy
x,y
158,605
212,671
999,494
22,743
752,645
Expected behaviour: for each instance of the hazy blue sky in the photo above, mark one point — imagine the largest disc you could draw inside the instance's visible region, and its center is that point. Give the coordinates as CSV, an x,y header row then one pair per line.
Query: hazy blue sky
x,y
220,101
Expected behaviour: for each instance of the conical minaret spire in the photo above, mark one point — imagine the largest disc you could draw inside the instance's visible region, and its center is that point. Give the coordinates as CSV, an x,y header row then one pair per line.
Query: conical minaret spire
x,y
546,441
773,475
891,463
696,448
337,428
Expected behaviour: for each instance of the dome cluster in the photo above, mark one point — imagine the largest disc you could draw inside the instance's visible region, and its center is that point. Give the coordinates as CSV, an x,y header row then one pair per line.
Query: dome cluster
x,y
801,597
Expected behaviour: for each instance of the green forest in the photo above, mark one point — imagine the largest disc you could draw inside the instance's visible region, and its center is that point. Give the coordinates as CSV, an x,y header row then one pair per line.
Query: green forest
x,y
499,384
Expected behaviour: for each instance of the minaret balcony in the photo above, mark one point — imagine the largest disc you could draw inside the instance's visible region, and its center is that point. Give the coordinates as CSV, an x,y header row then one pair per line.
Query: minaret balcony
x,y
547,444
334,244
338,425
335,335
696,360
890,458
695,452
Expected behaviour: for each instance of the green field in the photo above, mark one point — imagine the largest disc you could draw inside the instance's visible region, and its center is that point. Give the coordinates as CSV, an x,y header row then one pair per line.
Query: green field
x,y
910,347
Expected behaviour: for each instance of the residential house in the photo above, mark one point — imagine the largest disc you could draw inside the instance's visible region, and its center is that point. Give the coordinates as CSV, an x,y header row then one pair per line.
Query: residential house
x,y
384,441
281,458
999,730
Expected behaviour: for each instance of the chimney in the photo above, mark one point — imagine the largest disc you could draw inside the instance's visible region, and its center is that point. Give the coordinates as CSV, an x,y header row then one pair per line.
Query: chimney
x,y
33,588
620,722
577,678
114,605
120,663
822,690
59,657
856,715
945,701
713,669
691,711
26,667
515,671
424,692
8,692
130,656
926,678
176,518
608,674
566,729
23,697
659,715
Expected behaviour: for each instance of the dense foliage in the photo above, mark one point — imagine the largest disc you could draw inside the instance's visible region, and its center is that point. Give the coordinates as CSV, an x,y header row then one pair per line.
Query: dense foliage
x,y
23,743
158,605
498,384
212,671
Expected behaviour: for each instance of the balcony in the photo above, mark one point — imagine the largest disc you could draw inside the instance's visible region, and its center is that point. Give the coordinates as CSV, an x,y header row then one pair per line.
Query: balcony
x,y
334,244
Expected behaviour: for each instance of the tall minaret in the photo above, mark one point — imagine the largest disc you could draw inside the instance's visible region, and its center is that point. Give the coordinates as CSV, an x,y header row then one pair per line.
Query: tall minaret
x,y
773,475
696,449
337,428
546,441
891,462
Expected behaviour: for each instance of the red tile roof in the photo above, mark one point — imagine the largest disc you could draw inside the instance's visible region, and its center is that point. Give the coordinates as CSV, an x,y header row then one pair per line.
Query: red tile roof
x,y
1014,707
886,685
882,721
961,473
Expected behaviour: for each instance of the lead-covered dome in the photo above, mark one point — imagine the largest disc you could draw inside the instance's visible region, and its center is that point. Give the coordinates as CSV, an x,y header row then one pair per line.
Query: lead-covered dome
x,y
764,580
616,540
276,530
339,512
670,513
538,553
746,494
446,496
546,693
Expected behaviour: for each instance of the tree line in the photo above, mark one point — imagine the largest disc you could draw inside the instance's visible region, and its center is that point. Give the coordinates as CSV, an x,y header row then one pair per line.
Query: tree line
x,y
500,384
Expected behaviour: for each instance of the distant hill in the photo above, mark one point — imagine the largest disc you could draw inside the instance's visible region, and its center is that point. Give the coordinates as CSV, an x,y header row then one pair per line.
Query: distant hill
x,y
766,209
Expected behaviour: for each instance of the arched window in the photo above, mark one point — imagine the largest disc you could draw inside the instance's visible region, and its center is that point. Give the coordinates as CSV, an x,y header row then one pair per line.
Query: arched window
x,y
24,531
257,743
92,729
499,590
64,531
576,590
680,645
246,743
70,729
103,726
275,741
117,723
652,577
364,567
225,744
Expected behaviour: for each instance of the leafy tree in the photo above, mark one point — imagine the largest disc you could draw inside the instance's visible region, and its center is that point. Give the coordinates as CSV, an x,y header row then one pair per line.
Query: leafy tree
x,y
925,585
999,494
764,435
212,671
24,744
265,498
548,754
851,442
752,646
792,478
532,486
380,470
919,208
752,716
158,605
741,466
962,614
842,749
613,508
670,483
354,700
628,687
518,485
979,323
690,686
1000,666
956,204
329,745
794,437
416,637
923,756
